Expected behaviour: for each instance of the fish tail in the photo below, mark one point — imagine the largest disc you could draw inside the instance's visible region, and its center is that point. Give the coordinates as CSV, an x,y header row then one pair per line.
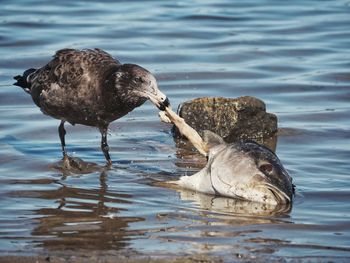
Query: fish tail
x,y
23,81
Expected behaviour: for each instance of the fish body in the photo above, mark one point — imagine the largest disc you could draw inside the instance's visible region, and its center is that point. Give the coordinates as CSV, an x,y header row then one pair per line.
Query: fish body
x,y
242,170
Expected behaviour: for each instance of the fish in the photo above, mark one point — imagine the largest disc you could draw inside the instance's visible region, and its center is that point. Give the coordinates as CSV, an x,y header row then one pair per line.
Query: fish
x,y
242,170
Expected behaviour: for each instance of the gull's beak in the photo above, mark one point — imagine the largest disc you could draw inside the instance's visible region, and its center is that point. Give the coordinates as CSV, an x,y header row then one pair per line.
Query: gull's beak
x,y
158,98
152,93
164,104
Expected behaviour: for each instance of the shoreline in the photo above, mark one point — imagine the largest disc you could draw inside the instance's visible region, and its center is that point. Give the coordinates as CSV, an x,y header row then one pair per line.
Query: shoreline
x,y
107,259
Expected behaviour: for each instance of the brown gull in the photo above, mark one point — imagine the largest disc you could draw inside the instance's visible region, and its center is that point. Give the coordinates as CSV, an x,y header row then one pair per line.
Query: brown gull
x,y
89,87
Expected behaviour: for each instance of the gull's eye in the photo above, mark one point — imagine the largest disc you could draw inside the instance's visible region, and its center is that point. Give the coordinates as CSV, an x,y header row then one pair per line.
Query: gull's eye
x,y
138,80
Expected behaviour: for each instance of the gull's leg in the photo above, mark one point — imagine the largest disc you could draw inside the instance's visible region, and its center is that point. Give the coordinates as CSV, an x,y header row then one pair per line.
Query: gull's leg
x,y
104,145
62,133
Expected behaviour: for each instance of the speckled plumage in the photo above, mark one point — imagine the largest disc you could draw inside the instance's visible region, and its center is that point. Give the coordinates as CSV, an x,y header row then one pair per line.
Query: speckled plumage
x,y
89,87
79,87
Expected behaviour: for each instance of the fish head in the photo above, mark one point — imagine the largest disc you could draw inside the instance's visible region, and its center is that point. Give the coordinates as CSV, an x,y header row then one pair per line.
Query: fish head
x,y
246,170
142,84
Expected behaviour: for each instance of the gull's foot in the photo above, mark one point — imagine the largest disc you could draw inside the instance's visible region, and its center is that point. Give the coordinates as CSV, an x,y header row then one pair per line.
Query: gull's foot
x,y
109,163
66,162
75,165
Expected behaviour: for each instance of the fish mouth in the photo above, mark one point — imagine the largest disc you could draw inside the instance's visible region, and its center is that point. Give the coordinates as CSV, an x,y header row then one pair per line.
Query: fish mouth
x,y
280,196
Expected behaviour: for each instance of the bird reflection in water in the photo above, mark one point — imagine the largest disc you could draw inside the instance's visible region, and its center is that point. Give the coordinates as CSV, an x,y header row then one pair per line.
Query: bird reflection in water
x,y
85,218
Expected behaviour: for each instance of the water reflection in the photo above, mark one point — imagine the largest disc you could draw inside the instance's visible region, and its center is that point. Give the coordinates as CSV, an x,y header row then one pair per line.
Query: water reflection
x,y
216,224
230,206
293,55
83,217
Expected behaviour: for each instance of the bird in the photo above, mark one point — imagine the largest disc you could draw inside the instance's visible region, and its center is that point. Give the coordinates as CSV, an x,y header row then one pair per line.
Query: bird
x,y
91,88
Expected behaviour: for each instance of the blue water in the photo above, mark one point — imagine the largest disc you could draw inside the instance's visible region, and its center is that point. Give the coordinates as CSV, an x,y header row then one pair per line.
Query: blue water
x,y
293,55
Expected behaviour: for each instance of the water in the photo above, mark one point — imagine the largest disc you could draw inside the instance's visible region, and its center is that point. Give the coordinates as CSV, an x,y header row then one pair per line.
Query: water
x,y
294,56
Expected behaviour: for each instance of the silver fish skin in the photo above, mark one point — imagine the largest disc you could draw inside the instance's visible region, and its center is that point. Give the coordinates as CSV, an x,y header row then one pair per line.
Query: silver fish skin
x,y
242,170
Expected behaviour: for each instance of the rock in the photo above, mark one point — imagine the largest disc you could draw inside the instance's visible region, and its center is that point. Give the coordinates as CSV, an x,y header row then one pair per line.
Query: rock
x,y
243,118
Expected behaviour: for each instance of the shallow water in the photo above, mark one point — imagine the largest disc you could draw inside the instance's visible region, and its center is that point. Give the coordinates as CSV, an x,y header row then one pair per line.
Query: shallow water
x,y
294,56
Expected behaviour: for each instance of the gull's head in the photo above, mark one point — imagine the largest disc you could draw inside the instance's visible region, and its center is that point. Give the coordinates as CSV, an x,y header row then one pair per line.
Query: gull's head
x,y
140,83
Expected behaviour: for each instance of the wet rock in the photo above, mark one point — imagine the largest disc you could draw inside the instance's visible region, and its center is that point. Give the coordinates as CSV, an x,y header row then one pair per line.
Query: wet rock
x,y
243,118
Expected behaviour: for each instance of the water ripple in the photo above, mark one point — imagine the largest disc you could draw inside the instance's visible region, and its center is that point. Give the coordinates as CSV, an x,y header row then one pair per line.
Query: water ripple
x,y
293,55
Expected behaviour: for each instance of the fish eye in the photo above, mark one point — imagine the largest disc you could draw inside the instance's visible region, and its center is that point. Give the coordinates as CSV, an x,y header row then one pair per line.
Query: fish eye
x,y
266,168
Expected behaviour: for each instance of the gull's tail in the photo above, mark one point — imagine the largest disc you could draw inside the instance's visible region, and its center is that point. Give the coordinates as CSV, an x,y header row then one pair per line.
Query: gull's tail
x,y
23,81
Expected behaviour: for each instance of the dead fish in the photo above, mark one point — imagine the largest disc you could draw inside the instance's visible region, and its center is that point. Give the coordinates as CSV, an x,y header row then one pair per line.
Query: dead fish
x,y
242,170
